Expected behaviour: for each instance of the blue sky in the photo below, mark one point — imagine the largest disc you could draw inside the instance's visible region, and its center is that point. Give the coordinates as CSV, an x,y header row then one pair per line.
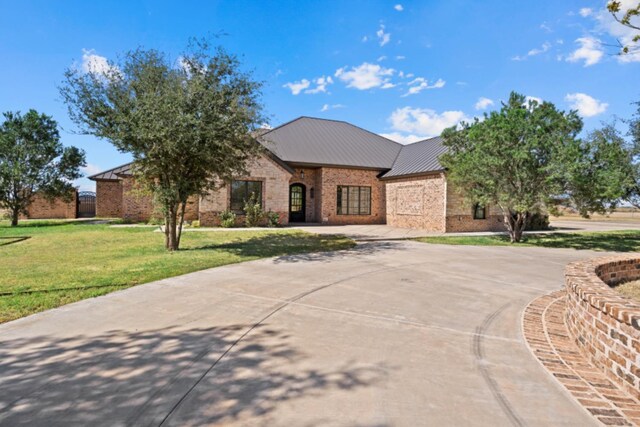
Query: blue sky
x,y
404,69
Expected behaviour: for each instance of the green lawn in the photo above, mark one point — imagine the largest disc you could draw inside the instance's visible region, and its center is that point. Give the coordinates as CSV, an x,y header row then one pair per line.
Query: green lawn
x,y
614,241
45,264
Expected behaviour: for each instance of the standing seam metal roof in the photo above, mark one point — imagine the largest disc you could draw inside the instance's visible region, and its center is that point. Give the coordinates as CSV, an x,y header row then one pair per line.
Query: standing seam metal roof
x,y
308,140
330,142
112,174
418,157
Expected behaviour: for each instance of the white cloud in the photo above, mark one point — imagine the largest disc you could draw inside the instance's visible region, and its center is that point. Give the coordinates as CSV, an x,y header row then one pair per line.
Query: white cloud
x,y
366,76
533,98
533,52
546,27
327,107
419,84
423,121
590,51
537,51
96,64
398,7
321,85
383,38
586,105
297,87
305,85
483,103
585,11
400,57
91,169
364,39
402,139
381,58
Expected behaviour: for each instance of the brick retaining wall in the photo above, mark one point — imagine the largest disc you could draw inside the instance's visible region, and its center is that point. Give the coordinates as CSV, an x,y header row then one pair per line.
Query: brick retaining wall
x,y
604,324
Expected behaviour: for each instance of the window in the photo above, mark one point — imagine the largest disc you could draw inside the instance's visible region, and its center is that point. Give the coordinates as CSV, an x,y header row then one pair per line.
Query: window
x,y
241,192
479,211
354,200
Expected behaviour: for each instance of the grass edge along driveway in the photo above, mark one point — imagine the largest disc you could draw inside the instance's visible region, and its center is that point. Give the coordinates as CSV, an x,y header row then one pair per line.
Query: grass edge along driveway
x,y
46,264
609,241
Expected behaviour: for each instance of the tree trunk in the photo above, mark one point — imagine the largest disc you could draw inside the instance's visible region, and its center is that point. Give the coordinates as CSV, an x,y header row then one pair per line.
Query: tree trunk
x,y
516,223
183,207
171,223
14,217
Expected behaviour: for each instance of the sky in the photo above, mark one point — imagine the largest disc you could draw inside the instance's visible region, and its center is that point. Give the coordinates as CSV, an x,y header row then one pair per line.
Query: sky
x,y
403,69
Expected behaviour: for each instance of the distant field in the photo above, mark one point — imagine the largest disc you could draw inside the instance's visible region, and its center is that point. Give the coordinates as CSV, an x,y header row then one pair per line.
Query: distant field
x,y
620,214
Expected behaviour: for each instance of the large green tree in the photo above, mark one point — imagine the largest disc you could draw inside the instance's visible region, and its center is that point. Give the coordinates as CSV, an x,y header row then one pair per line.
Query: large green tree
x,y
187,123
633,194
526,156
33,161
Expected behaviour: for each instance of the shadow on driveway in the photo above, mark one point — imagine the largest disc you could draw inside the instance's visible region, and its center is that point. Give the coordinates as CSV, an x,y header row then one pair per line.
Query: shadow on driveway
x,y
201,375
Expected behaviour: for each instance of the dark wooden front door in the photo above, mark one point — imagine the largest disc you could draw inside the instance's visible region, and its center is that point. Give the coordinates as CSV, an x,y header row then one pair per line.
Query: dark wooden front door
x,y
296,203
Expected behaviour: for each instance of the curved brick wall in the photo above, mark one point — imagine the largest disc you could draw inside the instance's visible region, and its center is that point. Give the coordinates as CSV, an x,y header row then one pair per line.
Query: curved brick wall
x,y
604,324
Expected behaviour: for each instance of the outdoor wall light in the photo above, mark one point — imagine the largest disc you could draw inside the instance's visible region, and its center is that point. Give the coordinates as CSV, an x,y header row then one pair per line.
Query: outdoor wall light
x,y
302,173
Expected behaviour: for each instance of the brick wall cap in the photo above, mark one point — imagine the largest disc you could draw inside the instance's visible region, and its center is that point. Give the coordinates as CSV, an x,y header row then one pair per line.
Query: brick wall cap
x,y
585,279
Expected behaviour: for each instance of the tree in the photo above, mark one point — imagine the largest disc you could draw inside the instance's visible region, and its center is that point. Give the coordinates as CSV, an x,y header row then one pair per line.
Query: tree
x,y
602,172
33,161
633,191
187,123
627,16
525,157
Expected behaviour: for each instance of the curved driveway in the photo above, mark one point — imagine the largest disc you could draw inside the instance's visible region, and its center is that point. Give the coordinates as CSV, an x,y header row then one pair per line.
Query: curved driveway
x,y
391,333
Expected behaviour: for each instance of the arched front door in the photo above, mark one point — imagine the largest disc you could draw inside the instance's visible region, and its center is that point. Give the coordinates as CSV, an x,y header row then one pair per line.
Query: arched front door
x,y
297,194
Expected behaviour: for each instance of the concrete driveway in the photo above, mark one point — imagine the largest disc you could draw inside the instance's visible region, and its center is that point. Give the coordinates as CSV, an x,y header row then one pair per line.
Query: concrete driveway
x,y
391,333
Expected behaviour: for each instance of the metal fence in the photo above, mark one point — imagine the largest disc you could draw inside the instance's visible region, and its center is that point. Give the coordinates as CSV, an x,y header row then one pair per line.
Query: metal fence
x,y
86,204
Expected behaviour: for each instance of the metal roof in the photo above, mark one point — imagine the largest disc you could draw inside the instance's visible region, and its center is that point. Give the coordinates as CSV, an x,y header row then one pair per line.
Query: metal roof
x,y
112,174
308,140
419,157
322,142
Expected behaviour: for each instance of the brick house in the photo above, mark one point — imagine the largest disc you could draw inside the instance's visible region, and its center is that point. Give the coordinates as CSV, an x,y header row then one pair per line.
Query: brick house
x,y
325,171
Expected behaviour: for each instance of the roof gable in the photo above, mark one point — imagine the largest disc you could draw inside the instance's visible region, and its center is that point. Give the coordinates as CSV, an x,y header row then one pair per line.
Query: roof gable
x,y
112,174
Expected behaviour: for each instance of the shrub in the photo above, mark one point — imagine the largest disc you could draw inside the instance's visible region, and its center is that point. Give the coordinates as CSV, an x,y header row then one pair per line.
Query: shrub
x,y
155,220
538,222
254,214
227,219
273,219
195,224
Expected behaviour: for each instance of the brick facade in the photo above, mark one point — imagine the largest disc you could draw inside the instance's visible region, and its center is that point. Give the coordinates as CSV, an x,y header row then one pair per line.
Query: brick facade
x,y
459,216
108,199
43,208
136,206
330,178
429,202
425,202
417,202
275,192
604,324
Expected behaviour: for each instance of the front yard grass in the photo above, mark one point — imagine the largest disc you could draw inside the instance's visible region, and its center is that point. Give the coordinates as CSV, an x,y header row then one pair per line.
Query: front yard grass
x,y
45,264
611,241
